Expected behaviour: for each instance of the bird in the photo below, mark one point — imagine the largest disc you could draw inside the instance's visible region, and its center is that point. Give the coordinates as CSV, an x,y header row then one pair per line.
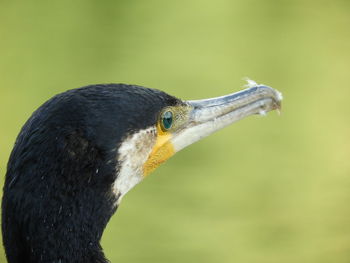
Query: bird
x,y
84,149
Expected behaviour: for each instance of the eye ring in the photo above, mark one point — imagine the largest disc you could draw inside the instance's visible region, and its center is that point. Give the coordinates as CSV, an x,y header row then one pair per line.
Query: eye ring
x,y
166,119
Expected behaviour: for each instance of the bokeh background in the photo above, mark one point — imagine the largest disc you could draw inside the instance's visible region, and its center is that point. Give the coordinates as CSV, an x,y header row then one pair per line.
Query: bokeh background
x,y
266,189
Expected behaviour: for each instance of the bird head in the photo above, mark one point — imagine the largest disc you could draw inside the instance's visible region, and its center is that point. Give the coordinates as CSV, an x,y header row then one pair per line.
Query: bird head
x,y
84,149
176,123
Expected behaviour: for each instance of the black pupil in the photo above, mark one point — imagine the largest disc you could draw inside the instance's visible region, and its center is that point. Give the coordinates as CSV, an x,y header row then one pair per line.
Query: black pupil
x,y
167,119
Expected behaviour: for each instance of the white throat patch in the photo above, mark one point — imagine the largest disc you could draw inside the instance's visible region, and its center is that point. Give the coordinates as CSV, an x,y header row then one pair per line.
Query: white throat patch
x,y
132,155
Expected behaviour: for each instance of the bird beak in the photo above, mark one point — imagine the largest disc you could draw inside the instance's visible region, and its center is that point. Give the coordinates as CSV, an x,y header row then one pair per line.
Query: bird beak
x,y
200,118
209,115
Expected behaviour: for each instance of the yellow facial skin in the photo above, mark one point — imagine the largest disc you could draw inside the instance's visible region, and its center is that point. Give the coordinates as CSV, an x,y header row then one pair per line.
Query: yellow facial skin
x,y
163,149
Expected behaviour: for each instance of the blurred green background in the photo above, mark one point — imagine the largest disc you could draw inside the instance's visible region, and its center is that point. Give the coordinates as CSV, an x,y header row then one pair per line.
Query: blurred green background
x,y
272,189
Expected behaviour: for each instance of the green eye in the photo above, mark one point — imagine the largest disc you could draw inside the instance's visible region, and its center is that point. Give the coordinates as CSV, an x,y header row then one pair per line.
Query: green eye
x,y
167,120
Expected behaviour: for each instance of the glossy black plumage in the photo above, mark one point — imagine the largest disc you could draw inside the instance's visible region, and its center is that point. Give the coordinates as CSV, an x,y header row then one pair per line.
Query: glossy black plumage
x,y
57,194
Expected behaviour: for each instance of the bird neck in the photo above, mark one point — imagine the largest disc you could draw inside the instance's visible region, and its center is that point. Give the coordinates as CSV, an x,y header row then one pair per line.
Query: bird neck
x,y
68,232
57,214
58,195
